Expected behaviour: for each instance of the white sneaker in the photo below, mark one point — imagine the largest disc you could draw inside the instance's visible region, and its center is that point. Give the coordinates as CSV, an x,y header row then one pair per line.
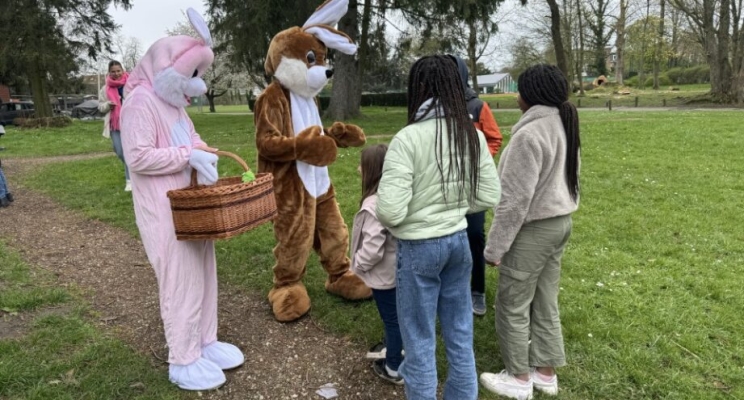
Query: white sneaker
x,y
225,355
201,374
128,186
505,384
549,387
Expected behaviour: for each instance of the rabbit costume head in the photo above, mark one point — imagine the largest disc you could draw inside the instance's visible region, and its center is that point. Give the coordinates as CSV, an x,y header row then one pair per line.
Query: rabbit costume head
x,y
297,56
173,66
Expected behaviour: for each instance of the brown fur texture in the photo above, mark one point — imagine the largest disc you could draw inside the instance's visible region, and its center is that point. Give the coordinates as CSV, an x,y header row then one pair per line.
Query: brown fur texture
x,y
303,223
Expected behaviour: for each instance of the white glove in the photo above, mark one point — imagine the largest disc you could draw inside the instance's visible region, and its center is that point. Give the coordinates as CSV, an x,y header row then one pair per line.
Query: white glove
x,y
205,165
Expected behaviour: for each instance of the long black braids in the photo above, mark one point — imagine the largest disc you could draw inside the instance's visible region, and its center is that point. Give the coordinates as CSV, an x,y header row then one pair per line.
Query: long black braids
x,y
437,78
546,85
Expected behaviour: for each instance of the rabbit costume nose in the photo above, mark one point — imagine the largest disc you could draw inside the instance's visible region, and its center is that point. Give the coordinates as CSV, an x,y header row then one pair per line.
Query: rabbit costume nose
x,y
329,73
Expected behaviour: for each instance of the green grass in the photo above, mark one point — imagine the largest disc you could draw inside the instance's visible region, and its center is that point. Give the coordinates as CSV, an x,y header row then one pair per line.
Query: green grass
x,y
59,354
651,302
79,138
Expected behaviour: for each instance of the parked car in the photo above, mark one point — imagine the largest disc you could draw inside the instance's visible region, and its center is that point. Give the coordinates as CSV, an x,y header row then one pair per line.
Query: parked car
x,y
13,110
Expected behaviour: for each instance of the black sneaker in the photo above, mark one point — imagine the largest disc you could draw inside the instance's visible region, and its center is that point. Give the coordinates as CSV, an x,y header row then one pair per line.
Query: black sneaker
x,y
379,367
9,196
4,202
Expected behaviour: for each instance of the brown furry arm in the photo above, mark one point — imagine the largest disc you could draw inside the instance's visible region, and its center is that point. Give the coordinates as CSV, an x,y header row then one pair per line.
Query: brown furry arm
x,y
270,142
346,135
314,148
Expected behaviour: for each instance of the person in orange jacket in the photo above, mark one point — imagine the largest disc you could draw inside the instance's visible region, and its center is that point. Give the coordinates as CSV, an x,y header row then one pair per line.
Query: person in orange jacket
x,y
484,121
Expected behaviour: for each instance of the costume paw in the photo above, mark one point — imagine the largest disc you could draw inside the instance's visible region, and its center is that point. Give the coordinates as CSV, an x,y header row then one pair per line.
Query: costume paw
x,y
348,286
347,135
202,374
289,302
225,355
314,148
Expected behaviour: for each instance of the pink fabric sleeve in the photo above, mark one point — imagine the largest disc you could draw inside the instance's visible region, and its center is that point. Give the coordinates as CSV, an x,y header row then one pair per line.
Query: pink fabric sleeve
x,y
139,133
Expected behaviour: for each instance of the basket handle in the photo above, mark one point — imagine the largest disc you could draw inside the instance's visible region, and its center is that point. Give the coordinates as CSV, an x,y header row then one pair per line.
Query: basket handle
x,y
224,154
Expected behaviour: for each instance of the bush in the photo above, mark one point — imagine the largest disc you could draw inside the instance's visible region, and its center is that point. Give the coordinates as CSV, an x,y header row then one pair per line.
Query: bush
x,y
692,75
663,81
50,122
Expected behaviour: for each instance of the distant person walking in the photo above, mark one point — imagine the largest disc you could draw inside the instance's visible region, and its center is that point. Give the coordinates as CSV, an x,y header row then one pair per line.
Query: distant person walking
x,y
110,99
5,196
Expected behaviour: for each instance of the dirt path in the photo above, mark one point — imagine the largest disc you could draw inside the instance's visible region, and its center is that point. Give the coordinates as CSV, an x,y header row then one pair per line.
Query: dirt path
x,y
283,361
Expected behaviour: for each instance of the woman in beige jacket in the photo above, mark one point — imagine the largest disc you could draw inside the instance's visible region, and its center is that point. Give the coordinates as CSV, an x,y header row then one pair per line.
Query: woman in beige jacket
x,y
110,99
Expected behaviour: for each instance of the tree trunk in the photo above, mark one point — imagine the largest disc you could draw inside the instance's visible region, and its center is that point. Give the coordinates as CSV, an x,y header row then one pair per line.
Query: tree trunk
x,y
580,63
210,98
620,43
346,94
659,45
42,106
472,43
364,40
641,70
555,33
723,90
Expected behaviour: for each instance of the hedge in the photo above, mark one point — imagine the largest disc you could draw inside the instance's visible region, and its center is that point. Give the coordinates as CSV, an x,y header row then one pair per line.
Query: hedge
x,y
393,99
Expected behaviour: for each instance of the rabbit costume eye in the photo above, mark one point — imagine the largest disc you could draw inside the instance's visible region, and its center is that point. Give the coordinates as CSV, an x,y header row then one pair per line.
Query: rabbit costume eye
x,y
311,57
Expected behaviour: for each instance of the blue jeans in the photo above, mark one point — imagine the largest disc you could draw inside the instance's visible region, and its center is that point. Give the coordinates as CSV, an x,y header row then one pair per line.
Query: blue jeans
x,y
434,279
3,185
116,140
386,305
477,240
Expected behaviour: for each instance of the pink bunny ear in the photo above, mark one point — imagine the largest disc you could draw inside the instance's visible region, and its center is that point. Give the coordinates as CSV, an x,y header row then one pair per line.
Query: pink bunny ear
x,y
200,26
329,13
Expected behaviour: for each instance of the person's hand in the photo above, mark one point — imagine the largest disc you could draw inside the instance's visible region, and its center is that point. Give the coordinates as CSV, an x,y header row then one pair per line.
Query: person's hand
x,y
206,148
493,263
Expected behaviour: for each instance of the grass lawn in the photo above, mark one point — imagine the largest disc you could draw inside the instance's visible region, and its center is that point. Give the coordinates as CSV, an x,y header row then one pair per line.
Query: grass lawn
x,y
664,97
651,301
57,353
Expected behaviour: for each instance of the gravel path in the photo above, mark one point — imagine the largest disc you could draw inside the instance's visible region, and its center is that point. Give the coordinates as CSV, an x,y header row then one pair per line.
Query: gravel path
x,y
283,361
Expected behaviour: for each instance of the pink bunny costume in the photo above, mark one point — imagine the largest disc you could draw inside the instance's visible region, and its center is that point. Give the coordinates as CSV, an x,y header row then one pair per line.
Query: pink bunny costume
x,y
160,146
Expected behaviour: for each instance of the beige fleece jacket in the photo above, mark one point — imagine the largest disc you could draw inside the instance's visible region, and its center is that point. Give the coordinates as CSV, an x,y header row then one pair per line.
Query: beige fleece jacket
x,y
533,183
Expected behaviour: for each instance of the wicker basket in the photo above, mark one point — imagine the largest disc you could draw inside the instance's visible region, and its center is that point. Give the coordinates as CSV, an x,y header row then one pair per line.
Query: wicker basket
x,y
225,209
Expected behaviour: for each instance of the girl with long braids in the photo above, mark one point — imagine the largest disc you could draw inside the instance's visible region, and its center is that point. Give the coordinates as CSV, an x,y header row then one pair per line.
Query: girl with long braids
x,y
436,170
539,172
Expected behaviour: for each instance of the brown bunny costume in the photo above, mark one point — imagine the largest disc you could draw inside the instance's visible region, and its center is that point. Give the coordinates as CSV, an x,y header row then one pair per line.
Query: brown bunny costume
x,y
293,145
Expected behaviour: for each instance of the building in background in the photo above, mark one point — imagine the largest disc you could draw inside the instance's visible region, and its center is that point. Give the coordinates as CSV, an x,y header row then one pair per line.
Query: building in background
x,y
496,83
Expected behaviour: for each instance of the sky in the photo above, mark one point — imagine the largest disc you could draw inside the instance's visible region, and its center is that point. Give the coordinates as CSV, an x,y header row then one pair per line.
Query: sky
x,y
148,20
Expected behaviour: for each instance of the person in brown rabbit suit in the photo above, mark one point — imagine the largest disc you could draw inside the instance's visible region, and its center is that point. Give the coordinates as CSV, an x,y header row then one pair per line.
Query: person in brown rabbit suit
x,y
293,145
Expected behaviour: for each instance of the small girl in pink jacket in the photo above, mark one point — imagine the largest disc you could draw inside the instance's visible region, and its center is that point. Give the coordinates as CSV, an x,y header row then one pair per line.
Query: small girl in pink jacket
x,y
373,259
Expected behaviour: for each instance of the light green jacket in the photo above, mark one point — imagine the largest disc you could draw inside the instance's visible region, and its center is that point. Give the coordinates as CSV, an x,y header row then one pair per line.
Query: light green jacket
x,y
410,202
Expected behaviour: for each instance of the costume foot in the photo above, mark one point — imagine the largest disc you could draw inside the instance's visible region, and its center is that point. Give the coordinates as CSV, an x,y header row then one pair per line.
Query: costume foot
x,y
348,286
202,374
289,302
225,355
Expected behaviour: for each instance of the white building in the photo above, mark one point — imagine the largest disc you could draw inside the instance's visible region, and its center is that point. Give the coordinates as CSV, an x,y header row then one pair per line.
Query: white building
x,y
496,83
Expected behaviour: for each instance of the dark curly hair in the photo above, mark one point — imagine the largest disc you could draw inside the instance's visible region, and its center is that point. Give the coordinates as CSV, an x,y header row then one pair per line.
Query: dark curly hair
x,y
546,85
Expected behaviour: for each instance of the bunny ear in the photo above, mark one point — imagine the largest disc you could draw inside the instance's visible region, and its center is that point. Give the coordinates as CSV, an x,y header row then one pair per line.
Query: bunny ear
x,y
333,39
200,26
329,13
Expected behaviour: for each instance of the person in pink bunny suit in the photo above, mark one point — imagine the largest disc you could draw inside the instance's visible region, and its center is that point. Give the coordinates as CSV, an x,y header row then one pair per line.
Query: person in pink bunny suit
x,y
161,148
